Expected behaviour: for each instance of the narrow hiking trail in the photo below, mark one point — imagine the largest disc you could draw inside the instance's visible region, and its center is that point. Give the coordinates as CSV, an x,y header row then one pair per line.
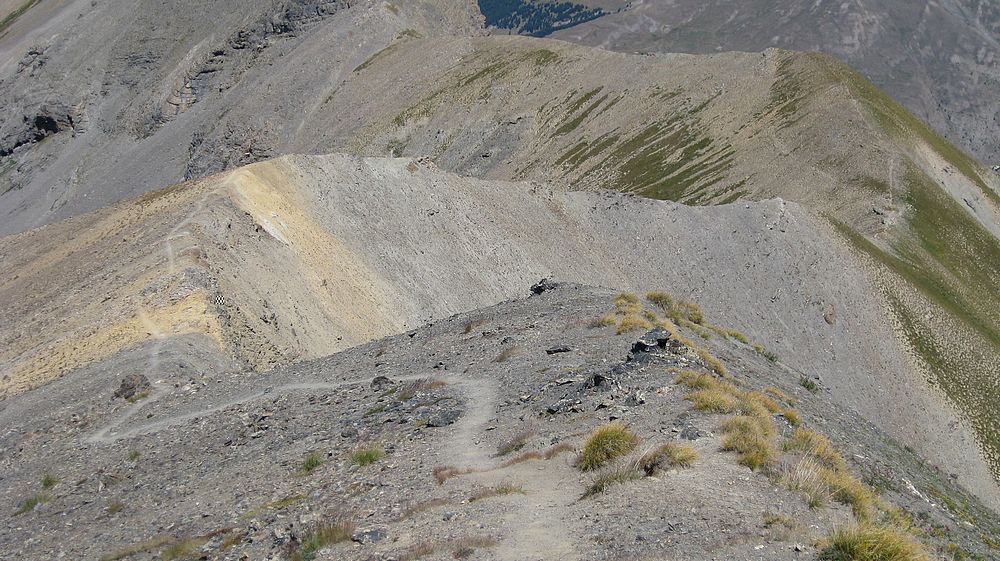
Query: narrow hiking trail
x,y
107,433
535,524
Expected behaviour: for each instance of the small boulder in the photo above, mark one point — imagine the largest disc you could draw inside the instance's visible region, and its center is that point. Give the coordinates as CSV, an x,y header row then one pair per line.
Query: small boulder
x,y
380,383
638,397
132,385
557,350
656,338
366,537
543,285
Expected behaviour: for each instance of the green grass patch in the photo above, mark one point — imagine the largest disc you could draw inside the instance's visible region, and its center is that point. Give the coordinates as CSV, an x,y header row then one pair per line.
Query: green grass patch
x,y
320,536
10,18
32,502
312,461
367,454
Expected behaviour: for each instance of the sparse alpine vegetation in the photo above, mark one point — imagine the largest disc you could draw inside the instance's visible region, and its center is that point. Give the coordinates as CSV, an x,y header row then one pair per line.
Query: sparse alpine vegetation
x,y
367,454
868,542
606,443
319,536
668,456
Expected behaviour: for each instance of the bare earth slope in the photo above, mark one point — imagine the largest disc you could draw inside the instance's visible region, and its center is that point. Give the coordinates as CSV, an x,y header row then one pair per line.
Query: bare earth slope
x,y
939,59
379,246
212,464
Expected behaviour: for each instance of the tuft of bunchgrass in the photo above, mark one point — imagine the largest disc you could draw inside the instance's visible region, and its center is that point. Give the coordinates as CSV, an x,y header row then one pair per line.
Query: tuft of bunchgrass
x,y
516,442
792,416
184,548
779,394
662,300
607,320
692,312
668,456
320,536
713,400
606,443
752,439
49,481
816,445
500,490
311,462
627,303
367,454
608,479
695,380
32,502
633,322
868,542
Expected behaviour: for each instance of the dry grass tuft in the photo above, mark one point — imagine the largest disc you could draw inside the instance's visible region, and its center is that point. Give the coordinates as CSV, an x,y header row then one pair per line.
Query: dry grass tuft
x,y
713,363
819,483
507,353
668,456
423,506
868,542
779,394
755,402
713,400
627,303
777,519
691,311
752,439
696,380
847,489
461,547
409,390
444,473
669,326
503,489
792,416
633,322
662,300
607,443
605,481
806,477
515,443
557,449
816,445
607,320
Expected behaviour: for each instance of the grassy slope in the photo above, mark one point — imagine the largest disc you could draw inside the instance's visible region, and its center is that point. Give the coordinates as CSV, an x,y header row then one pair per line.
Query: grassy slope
x,y
940,253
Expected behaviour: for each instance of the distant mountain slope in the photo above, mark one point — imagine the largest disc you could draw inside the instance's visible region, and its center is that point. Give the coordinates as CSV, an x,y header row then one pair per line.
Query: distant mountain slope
x,y
708,130
939,59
